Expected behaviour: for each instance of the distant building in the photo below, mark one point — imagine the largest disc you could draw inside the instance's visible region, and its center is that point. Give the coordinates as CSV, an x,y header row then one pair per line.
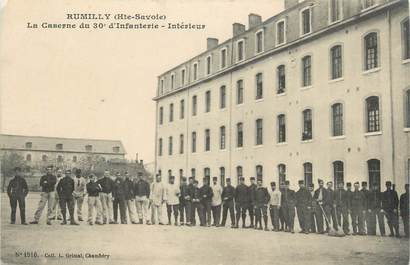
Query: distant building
x,y
320,90
63,152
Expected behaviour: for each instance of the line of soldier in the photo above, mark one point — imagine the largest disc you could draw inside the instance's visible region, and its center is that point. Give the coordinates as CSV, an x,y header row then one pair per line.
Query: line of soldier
x,y
315,208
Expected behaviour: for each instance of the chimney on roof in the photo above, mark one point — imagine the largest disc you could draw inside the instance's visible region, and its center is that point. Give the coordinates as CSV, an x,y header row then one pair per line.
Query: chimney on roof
x,y
211,43
237,28
254,20
141,162
136,157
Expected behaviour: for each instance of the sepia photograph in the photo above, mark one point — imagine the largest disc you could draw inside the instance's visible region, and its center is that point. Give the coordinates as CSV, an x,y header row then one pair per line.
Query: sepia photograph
x,y
205,132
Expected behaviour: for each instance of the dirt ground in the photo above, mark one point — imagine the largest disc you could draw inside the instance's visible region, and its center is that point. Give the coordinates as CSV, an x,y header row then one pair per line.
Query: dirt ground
x,y
142,244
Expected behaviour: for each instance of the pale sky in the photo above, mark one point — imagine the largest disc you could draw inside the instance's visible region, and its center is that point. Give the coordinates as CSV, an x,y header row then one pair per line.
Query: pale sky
x,y
100,83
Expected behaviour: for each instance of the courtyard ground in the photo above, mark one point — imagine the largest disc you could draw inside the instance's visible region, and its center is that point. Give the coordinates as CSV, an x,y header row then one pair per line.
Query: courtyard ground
x,y
142,244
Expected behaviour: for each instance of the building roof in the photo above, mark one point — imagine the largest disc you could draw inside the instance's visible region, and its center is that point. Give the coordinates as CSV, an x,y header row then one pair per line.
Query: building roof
x,y
49,144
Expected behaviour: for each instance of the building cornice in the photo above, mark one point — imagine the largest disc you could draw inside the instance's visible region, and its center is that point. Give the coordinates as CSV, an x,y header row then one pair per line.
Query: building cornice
x,y
59,151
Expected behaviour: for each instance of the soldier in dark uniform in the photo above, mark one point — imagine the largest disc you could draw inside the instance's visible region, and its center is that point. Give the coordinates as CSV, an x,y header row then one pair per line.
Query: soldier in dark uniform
x,y
288,202
262,198
206,200
328,205
241,202
340,204
94,202
107,185
197,205
17,191
404,209
47,184
188,200
303,207
183,203
319,197
130,199
119,194
312,211
349,200
251,204
390,203
228,194
65,190
366,195
358,209
374,211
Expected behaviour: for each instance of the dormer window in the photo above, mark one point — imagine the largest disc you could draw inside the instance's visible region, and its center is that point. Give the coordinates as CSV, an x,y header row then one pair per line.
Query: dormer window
x,y
116,149
88,148
305,21
59,146
29,145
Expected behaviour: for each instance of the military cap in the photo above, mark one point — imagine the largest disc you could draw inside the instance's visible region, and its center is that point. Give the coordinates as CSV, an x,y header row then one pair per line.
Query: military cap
x,y
241,178
252,178
78,171
388,183
273,183
68,171
215,178
301,182
348,184
357,182
17,169
364,183
196,181
49,167
228,180
183,178
119,174
259,179
191,178
126,173
311,185
319,180
287,182
91,175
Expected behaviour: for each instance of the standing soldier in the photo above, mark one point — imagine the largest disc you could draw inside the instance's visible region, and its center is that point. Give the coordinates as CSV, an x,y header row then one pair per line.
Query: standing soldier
x,y
303,207
216,201
228,194
79,193
366,214
390,203
288,202
274,205
118,194
404,209
282,217
183,203
349,193
262,199
189,202
157,199
107,186
65,190
328,205
129,199
94,203
206,200
251,203
172,195
196,205
340,205
314,206
17,191
358,210
241,201
374,209
319,197
56,212
47,184
142,192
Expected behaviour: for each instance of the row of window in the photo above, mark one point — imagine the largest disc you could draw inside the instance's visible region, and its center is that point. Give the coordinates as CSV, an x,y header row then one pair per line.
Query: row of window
x,y
371,56
372,117
88,148
338,169
59,158
336,71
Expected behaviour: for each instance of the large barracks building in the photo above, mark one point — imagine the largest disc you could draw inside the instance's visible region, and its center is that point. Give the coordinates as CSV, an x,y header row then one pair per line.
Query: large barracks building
x,y
320,90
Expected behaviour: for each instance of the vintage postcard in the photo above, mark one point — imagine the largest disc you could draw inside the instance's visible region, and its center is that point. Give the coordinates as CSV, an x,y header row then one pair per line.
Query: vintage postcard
x,y
204,132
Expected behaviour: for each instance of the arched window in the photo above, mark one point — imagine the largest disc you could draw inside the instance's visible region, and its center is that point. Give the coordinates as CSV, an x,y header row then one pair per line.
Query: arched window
x,y
239,92
170,145
371,51
181,143
239,173
405,39
259,86
29,145
338,172
222,176
307,133
181,175
282,173
239,134
308,173
307,71
222,139
193,145
259,172
281,137
222,97
207,140
28,157
373,168
161,115
373,114
160,147
193,173
407,108
259,132
336,61
281,77
171,112
207,174
337,119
